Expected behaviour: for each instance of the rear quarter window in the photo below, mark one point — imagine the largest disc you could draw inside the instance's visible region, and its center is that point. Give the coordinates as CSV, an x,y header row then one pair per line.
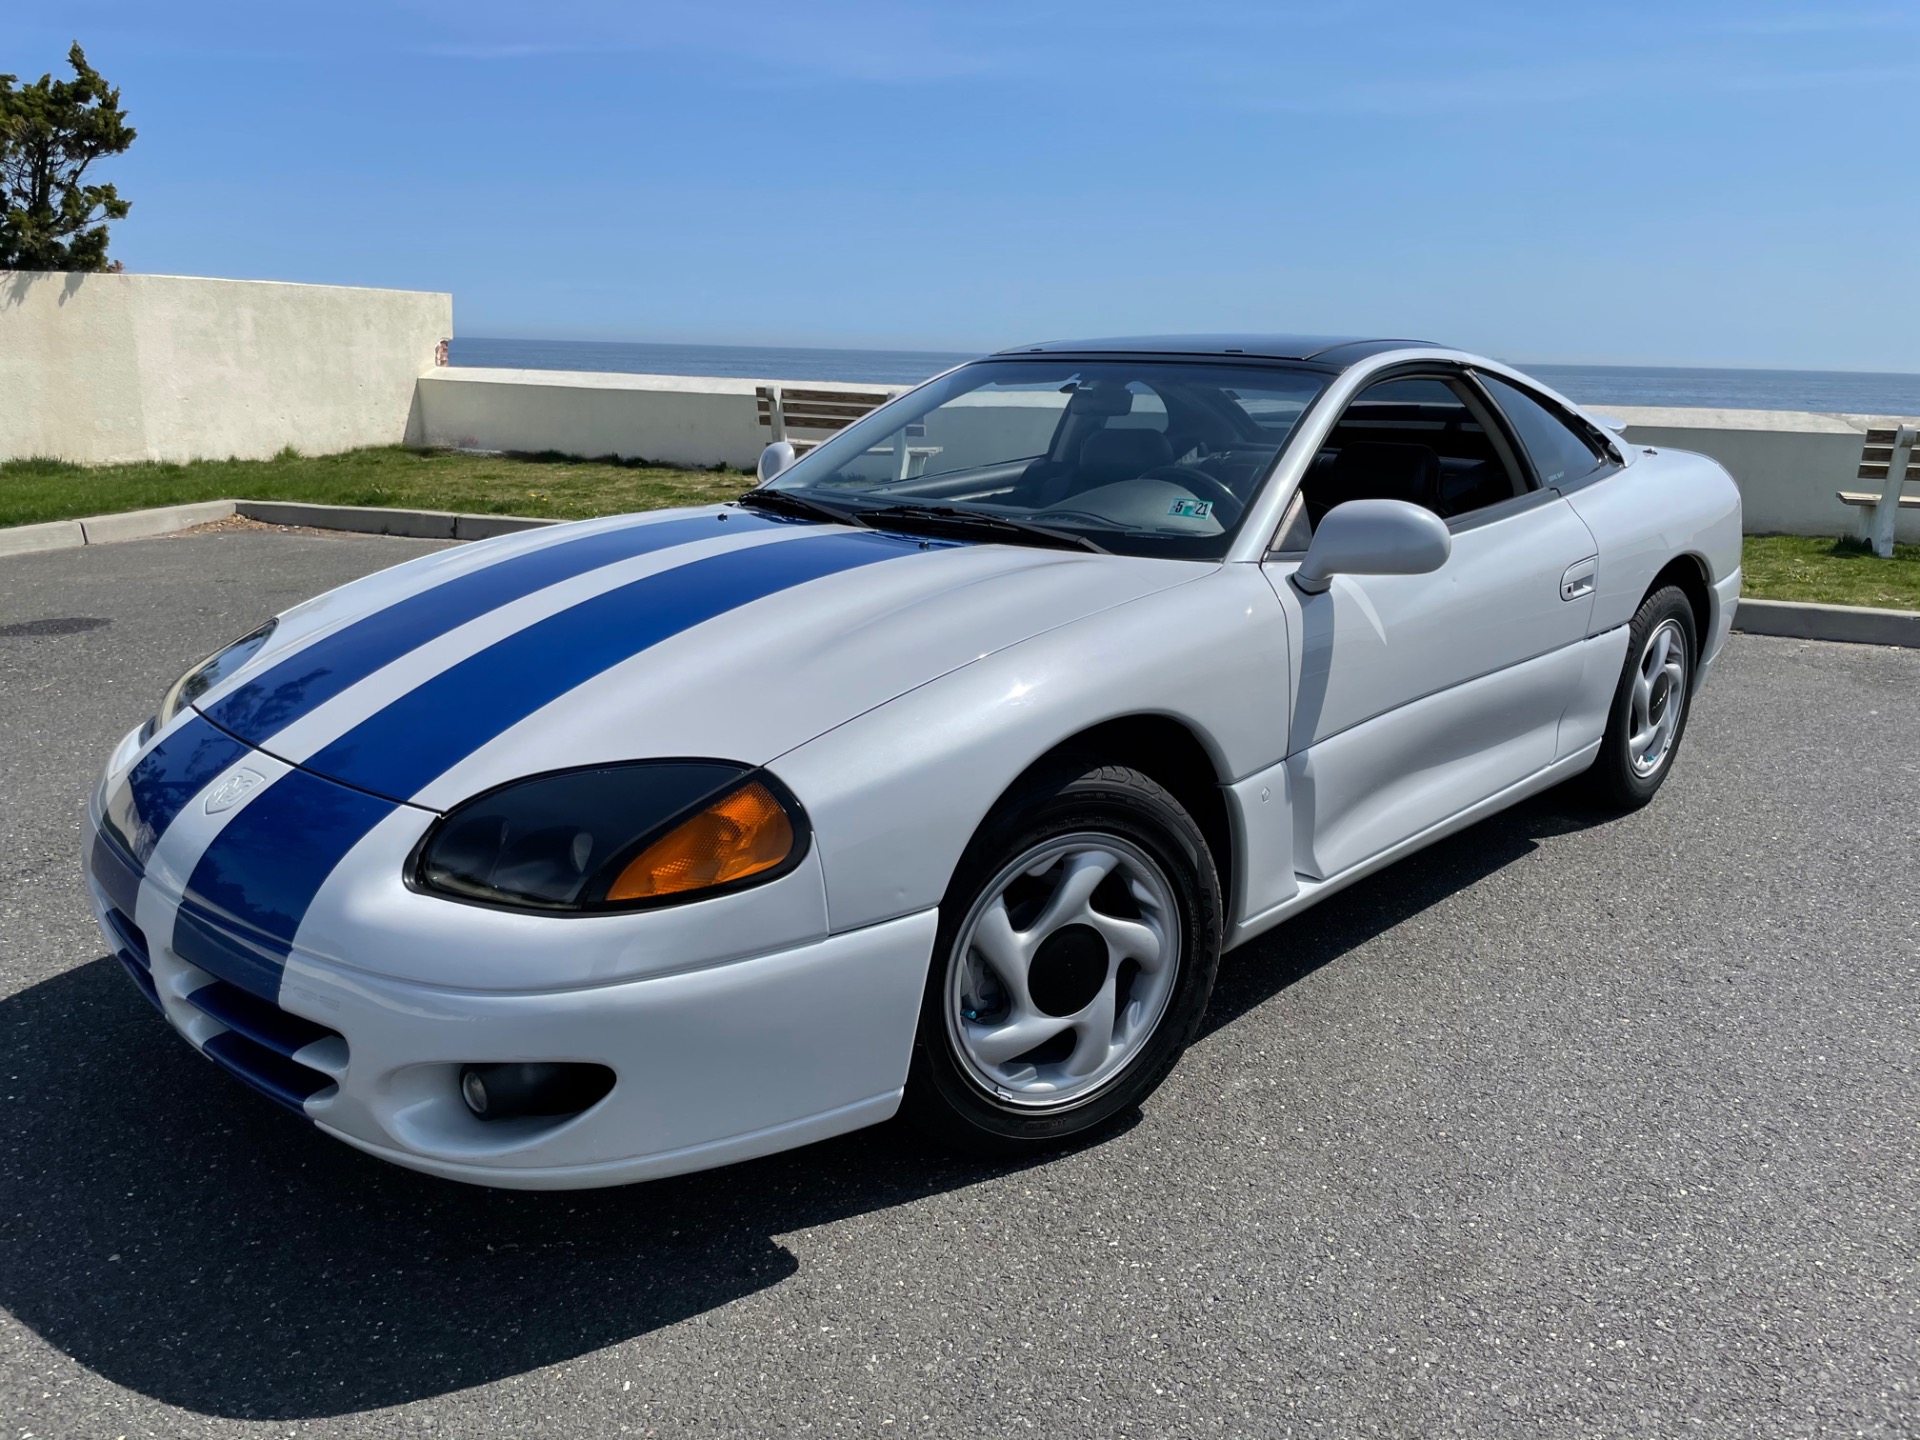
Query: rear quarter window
x,y
1560,453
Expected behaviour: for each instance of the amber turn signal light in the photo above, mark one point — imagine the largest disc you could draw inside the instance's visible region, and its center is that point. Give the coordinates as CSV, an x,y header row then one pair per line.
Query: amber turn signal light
x,y
737,836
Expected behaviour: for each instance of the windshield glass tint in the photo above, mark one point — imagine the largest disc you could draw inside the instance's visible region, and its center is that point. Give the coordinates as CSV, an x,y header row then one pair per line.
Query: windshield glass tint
x,y
1142,457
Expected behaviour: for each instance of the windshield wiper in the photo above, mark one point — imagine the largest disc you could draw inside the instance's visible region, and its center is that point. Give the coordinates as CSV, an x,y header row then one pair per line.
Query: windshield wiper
x,y
939,518
953,520
792,502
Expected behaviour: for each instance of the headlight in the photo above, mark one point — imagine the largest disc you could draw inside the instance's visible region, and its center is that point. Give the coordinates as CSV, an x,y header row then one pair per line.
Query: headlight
x,y
615,837
208,673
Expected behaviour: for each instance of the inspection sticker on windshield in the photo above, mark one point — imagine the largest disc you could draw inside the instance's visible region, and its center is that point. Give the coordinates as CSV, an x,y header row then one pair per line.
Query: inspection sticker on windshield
x,y
1192,509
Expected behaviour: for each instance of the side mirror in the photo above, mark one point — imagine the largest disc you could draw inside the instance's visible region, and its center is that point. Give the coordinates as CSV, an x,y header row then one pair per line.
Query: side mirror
x,y
1374,537
775,458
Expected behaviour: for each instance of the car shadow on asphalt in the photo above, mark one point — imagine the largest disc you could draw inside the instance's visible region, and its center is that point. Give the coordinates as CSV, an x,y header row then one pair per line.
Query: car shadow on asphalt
x,y
185,1239
1287,954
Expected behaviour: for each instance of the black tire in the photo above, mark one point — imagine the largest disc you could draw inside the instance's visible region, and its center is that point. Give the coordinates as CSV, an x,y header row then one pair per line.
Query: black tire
x,y
1077,796
1615,781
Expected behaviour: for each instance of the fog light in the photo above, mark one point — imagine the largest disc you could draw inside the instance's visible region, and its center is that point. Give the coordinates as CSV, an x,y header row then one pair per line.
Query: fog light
x,y
508,1091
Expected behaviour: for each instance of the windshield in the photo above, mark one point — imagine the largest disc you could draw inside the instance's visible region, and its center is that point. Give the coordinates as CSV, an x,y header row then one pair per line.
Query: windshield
x,y
1147,457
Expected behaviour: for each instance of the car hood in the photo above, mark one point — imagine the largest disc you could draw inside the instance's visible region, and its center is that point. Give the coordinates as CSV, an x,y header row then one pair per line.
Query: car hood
x,y
713,632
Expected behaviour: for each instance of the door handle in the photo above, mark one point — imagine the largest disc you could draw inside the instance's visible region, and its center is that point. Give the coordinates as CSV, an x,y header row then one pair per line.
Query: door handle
x,y
1578,581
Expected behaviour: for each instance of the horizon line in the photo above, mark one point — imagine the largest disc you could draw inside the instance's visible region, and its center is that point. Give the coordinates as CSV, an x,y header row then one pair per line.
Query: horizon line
x,y
966,354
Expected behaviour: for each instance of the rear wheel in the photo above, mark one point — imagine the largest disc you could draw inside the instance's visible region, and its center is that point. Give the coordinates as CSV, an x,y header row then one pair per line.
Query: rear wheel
x,y
1076,951
1650,705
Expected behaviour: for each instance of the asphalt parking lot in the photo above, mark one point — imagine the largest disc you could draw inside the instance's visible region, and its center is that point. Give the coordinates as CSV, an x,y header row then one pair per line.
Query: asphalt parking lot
x,y
1564,1127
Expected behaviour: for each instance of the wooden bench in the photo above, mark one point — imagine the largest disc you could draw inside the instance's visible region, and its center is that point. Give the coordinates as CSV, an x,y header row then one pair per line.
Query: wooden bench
x,y
1885,457
783,410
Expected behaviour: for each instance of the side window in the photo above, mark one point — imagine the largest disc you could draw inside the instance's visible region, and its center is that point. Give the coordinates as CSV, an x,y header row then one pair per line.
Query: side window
x,y
1415,439
1559,452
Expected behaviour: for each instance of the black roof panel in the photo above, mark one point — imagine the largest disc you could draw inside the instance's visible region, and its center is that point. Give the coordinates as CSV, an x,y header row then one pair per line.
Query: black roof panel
x,y
1354,351
1341,350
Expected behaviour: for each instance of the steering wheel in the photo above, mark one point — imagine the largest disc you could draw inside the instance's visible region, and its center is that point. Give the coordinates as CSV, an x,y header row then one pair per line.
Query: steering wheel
x,y
1226,504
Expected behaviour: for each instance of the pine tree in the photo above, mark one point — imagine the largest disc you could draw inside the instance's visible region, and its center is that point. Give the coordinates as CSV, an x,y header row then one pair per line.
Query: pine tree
x,y
50,132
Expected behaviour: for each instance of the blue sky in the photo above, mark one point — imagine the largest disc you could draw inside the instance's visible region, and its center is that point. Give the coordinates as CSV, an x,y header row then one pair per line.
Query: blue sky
x,y
1689,182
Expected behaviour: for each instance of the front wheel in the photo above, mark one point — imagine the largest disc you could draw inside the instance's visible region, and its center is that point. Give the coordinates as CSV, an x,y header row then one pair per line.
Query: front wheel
x,y
1650,705
1076,950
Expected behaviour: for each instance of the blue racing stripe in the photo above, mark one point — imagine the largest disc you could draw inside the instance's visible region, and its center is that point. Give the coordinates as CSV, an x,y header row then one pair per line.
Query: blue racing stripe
x,y
307,678
165,779
254,883
396,751
144,804
116,873
257,878
217,947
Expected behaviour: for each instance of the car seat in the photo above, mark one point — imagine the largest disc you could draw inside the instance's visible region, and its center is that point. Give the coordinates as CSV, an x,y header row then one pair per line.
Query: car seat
x,y
1376,470
1105,457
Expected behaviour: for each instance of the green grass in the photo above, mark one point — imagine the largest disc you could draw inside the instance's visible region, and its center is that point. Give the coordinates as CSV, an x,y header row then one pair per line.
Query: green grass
x,y
1830,572
561,486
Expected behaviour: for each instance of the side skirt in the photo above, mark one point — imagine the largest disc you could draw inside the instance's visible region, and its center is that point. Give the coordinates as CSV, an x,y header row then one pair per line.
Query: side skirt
x,y
1312,890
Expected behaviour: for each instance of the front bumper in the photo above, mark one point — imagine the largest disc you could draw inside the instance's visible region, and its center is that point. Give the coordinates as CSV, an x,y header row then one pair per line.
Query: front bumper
x,y
712,1065
721,1049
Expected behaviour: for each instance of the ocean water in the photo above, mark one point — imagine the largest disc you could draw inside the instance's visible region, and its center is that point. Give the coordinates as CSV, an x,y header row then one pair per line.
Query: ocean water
x,y
1858,392
742,362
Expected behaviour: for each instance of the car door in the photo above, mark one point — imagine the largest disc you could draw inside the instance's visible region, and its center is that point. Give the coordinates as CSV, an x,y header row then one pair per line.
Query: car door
x,y
1418,696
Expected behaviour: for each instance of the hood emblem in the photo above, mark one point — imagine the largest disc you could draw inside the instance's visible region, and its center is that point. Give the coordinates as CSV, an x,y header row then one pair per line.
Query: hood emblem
x,y
232,790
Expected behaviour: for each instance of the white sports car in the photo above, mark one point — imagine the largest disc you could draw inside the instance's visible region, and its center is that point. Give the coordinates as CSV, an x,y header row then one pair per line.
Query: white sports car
x,y
938,771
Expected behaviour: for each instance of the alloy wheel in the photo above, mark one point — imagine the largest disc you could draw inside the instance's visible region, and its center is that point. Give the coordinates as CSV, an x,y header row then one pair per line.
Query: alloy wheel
x,y
1659,699
1063,970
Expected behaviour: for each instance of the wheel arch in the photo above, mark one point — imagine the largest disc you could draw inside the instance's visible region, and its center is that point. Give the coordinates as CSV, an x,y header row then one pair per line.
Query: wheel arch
x,y
1690,575
1171,752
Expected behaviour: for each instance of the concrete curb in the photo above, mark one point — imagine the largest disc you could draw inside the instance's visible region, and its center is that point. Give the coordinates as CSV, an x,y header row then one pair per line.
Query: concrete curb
x,y
379,520
54,535
165,519
1853,624
106,529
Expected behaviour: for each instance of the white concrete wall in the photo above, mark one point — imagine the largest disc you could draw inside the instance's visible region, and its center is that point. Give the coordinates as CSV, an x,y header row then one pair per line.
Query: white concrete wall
x,y
676,419
1789,463
108,368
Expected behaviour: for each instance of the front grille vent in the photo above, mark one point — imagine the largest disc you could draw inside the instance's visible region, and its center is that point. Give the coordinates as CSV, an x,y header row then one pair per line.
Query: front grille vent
x,y
261,1042
130,949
